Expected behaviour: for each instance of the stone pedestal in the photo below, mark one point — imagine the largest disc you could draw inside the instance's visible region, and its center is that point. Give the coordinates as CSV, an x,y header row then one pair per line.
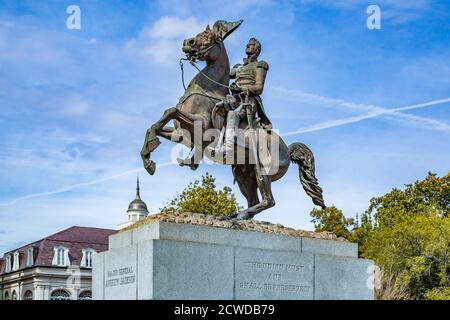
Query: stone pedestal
x,y
165,260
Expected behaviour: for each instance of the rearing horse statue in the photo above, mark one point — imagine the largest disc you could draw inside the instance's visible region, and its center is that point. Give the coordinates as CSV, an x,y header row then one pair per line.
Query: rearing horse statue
x,y
194,110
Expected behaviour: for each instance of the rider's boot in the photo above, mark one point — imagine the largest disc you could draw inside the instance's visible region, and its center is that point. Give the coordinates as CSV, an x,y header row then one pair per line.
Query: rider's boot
x,y
192,161
189,162
226,148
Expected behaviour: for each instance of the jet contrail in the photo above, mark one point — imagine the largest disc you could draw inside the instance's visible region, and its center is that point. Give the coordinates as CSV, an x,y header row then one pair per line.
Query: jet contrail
x,y
372,114
79,185
419,121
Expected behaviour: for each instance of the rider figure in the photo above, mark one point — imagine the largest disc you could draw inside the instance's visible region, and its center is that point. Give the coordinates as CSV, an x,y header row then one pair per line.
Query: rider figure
x,y
249,79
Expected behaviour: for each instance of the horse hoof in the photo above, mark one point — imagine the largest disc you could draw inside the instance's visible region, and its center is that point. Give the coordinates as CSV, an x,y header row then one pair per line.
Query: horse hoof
x,y
230,217
243,216
150,166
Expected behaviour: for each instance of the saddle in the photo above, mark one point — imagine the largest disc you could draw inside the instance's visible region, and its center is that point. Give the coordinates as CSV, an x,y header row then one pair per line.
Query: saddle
x,y
219,112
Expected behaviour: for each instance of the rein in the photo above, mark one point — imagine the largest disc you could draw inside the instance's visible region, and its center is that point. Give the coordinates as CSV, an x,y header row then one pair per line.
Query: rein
x,y
192,61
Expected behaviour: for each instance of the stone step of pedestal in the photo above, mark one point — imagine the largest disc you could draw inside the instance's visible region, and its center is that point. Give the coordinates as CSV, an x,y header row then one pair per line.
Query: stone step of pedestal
x,y
224,236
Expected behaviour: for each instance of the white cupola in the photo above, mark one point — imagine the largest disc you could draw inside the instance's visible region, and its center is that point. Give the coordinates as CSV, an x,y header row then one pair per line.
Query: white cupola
x,y
137,210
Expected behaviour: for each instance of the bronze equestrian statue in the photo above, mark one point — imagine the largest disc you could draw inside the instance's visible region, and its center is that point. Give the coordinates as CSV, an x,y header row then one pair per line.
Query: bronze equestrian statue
x,y
207,107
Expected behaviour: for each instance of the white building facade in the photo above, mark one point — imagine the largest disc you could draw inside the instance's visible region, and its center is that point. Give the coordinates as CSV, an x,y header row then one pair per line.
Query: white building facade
x,y
57,267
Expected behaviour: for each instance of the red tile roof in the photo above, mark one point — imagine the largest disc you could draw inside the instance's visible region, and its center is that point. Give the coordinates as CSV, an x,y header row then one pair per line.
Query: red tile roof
x,y
75,239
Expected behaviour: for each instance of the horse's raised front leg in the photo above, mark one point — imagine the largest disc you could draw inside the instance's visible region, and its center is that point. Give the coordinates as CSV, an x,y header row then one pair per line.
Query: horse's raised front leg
x,y
151,141
167,132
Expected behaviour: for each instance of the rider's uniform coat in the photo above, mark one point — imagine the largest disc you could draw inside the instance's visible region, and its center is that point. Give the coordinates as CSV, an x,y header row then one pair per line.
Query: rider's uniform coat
x,y
251,76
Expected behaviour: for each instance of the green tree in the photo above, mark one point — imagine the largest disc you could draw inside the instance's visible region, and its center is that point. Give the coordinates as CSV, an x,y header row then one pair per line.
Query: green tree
x,y
360,232
418,198
410,239
439,294
203,197
414,253
333,220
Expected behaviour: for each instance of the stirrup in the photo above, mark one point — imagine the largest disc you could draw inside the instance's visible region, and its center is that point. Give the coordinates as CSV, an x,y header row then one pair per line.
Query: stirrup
x,y
221,150
187,162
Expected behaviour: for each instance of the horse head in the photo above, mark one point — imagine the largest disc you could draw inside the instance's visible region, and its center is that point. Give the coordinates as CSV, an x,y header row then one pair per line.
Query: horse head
x,y
207,45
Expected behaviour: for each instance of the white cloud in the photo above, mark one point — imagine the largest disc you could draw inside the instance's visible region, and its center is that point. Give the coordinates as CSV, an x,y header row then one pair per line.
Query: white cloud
x,y
36,47
163,40
7,24
396,11
76,105
172,27
78,185
405,5
219,9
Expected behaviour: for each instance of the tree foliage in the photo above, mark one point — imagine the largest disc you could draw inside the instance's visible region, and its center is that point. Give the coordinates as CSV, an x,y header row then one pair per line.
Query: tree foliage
x,y
203,197
431,195
332,219
416,251
407,234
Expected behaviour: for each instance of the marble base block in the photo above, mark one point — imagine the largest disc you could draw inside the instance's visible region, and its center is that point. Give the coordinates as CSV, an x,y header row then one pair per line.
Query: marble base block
x,y
165,260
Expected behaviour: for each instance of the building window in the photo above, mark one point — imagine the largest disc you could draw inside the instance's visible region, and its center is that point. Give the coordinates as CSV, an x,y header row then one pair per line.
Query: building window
x,y
6,295
30,257
60,294
61,257
16,262
86,260
8,263
14,295
85,295
28,295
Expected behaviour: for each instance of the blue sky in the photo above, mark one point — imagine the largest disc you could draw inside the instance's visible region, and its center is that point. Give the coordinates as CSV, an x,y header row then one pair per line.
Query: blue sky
x,y
75,104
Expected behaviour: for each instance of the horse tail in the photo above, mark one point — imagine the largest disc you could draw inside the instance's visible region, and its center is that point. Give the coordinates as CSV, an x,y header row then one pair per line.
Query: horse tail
x,y
303,156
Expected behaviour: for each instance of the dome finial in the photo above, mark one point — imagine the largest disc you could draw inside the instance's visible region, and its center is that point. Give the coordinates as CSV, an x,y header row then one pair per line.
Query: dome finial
x,y
138,194
137,209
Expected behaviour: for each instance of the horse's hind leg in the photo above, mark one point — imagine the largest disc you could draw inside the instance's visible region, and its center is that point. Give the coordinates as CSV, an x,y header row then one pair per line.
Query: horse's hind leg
x,y
267,198
246,180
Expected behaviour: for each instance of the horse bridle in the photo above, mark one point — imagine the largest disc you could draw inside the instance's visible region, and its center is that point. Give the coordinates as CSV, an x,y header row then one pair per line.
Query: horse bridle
x,y
201,53
193,59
